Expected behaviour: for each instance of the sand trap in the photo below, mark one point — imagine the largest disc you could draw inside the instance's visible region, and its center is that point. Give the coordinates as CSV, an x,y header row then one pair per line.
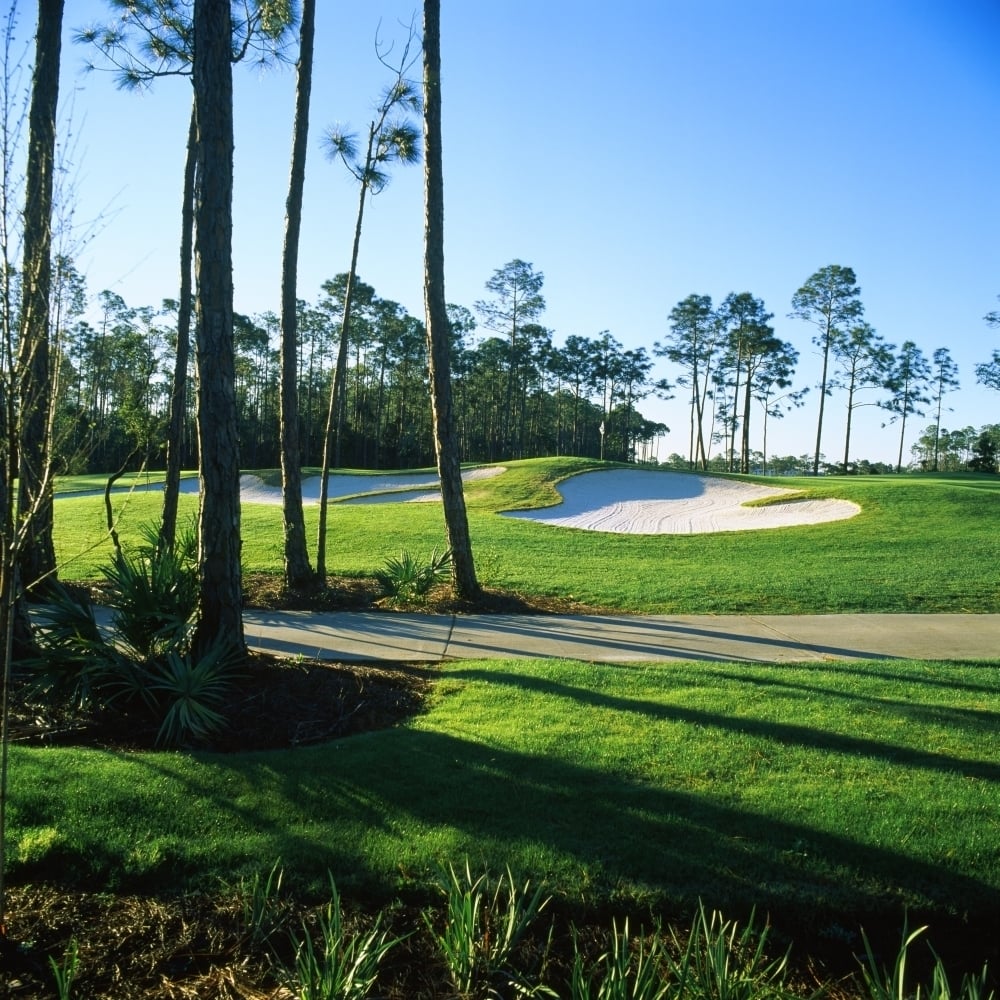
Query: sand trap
x,y
624,501
391,487
376,488
644,502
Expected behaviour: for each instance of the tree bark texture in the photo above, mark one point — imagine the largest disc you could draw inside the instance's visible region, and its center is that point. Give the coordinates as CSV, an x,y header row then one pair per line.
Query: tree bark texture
x,y
438,327
298,572
37,556
220,611
178,393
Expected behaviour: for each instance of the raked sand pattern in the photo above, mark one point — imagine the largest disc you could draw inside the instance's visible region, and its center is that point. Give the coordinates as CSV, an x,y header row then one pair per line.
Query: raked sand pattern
x,y
391,487
624,501
644,502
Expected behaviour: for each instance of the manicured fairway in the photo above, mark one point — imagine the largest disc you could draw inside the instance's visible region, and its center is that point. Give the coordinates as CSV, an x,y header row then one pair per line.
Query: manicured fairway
x,y
926,544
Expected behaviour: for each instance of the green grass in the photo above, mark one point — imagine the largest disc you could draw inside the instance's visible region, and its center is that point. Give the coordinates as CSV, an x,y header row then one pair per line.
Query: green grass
x,y
98,481
920,544
808,790
827,795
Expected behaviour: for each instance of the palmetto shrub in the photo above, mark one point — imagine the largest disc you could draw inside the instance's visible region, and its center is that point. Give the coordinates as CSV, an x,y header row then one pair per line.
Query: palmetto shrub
x,y
405,578
154,594
140,665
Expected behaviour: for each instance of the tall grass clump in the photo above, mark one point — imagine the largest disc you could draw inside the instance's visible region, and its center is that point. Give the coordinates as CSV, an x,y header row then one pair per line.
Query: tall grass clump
x,y
481,931
64,973
626,971
263,905
720,960
884,983
716,960
333,962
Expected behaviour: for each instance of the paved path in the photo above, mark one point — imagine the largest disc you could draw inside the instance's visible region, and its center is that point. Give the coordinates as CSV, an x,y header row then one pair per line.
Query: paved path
x,y
368,636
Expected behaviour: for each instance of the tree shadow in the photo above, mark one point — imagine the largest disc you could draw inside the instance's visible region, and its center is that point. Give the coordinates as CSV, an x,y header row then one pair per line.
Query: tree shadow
x,y
788,734
916,711
413,787
608,637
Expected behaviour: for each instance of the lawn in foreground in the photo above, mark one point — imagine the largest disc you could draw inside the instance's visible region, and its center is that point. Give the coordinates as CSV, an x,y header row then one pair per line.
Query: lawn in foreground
x,y
920,544
824,794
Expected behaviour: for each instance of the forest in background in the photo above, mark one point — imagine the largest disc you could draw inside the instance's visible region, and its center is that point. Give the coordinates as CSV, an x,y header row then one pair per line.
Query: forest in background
x,y
517,393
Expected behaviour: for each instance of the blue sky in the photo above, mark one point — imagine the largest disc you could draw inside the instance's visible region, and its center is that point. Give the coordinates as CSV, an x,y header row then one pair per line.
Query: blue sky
x,y
634,154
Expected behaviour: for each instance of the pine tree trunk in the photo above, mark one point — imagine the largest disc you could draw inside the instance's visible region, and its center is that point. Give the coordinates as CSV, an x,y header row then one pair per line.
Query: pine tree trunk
x,y
220,599
37,555
298,572
822,398
334,416
438,327
178,393
745,430
850,415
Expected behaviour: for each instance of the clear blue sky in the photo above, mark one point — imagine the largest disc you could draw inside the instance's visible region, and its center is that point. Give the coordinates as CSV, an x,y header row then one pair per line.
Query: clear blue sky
x,y
634,154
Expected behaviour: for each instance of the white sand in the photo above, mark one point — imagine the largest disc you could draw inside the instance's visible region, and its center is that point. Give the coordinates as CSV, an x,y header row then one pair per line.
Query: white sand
x,y
625,501
645,502
376,488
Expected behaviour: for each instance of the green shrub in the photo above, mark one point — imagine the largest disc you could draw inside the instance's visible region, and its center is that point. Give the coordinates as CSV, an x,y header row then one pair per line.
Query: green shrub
x,y
190,693
143,662
406,579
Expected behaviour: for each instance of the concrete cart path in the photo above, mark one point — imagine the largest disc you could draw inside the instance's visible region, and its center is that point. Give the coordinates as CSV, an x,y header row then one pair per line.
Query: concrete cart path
x,y
372,636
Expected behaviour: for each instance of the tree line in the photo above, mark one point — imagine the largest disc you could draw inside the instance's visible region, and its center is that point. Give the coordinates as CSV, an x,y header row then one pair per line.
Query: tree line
x,y
731,359
517,393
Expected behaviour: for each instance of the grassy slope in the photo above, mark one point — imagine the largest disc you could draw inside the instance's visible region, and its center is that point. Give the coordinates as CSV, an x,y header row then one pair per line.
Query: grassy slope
x,y
813,790
826,792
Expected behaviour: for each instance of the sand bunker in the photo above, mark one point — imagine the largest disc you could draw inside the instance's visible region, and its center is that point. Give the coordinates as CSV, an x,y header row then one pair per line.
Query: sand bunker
x,y
644,502
625,501
392,487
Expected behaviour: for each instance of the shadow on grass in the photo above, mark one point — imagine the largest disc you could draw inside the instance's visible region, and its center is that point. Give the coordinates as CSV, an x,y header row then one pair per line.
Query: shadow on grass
x,y
372,808
933,714
789,734
629,840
